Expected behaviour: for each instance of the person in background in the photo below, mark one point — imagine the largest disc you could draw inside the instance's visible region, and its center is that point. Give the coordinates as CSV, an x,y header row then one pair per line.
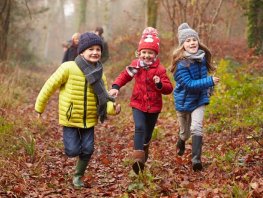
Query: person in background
x,y
66,45
105,54
72,51
83,100
191,62
151,81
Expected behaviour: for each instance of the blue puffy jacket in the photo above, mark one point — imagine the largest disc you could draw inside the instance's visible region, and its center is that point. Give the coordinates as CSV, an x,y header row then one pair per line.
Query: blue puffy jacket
x,y
192,84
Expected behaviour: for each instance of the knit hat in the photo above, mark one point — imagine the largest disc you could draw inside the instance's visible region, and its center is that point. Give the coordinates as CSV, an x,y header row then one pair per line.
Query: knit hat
x,y
88,39
184,32
149,40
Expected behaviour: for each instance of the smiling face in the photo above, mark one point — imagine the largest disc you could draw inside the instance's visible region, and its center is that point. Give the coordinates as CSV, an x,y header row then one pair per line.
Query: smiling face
x,y
191,45
147,56
92,54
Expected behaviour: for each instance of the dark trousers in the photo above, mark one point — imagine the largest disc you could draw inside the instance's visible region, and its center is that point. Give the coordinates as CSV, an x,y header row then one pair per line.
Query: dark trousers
x,y
78,142
144,125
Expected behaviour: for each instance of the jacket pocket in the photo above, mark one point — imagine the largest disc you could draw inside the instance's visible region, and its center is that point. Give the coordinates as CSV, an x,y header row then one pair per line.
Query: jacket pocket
x,y
69,111
135,96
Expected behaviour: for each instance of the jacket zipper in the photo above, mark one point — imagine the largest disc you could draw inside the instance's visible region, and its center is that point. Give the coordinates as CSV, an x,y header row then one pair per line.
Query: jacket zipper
x,y
185,94
200,75
85,104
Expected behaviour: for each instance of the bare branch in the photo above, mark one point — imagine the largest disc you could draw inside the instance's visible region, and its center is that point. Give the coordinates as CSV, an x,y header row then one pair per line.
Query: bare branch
x,y
28,9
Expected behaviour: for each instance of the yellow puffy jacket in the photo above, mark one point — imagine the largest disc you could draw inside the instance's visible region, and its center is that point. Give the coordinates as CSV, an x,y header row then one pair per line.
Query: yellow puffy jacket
x,y
77,101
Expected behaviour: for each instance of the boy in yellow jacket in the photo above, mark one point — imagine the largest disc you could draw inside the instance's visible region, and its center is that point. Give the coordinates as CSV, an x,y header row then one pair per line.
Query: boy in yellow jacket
x,y
82,100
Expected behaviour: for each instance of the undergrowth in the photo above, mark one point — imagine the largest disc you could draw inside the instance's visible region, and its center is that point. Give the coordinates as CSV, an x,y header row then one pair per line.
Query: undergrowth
x,y
237,102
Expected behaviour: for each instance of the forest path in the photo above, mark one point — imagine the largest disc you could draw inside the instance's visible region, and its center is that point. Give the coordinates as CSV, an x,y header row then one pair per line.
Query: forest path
x,y
48,172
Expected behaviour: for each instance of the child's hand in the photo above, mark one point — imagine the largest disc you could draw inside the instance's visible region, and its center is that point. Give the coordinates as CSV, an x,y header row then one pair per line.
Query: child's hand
x,y
114,92
216,80
38,115
156,79
118,108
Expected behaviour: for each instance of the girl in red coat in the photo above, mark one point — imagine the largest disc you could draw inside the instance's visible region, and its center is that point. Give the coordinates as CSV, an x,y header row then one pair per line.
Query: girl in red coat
x,y
151,81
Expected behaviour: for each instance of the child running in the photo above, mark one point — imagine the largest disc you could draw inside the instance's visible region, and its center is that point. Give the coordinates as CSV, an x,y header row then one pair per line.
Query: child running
x,y
82,100
191,62
151,81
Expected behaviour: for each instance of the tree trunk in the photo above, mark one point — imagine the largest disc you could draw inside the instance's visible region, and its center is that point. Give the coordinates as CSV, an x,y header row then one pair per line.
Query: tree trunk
x,y
152,9
82,15
5,8
255,25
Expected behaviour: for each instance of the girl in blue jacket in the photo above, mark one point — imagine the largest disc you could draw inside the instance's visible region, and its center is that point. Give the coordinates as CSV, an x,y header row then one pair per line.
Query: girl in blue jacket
x,y
191,62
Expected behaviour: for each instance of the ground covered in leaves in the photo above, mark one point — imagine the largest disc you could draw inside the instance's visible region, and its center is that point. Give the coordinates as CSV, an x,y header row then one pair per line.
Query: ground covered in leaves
x,y
34,164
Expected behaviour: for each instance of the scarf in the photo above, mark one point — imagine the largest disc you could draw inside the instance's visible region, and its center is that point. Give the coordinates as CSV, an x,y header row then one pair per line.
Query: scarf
x,y
134,70
199,55
93,75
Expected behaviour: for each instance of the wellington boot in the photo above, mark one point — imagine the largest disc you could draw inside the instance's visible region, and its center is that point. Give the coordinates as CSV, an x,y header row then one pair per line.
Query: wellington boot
x,y
146,151
79,173
77,182
180,146
139,160
196,153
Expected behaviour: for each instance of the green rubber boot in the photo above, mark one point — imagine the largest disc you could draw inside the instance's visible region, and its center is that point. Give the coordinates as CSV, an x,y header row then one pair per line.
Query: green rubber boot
x,y
80,170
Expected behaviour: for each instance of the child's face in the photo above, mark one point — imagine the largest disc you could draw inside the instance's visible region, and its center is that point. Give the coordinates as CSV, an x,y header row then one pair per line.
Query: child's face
x,y
191,45
76,40
92,54
147,56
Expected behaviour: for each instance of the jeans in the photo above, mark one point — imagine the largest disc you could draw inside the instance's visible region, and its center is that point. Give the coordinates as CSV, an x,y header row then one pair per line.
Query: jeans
x,y
78,142
144,125
191,123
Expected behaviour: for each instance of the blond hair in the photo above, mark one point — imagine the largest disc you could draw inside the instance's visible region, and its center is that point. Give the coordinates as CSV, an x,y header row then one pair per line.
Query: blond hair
x,y
178,54
75,35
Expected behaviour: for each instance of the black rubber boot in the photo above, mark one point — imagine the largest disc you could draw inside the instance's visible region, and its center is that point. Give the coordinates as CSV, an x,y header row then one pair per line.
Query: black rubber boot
x,y
180,146
146,151
196,152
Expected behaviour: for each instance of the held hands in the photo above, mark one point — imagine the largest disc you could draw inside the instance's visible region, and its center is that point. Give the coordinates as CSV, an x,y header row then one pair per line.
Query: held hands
x,y
156,79
215,80
114,92
117,108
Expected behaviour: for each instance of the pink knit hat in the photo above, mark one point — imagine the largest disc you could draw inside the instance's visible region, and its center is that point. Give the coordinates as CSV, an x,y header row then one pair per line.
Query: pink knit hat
x,y
149,40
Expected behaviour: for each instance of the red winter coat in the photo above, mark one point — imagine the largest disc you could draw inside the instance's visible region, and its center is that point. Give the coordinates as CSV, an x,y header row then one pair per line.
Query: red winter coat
x,y
146,96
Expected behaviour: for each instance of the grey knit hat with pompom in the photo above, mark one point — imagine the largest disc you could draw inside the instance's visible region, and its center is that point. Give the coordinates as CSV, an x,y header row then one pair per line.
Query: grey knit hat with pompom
x,y
184,32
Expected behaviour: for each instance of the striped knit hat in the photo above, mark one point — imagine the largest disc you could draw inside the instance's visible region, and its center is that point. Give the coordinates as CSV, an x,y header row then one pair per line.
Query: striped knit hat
x,y
149,40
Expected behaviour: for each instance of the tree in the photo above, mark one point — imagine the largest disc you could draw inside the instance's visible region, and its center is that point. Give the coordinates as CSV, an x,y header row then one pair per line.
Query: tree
x,y
152,9
5,7
255,25
82,15
201,15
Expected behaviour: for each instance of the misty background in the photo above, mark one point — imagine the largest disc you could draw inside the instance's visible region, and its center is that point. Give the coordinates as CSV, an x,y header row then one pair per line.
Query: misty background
x,y
46,24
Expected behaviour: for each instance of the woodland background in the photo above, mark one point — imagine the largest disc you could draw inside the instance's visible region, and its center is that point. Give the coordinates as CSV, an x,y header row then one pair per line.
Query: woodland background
x,y
32,161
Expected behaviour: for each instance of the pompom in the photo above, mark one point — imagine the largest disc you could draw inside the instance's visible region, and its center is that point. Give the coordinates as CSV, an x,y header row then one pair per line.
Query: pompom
x,y
183,26
150,30
184,32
